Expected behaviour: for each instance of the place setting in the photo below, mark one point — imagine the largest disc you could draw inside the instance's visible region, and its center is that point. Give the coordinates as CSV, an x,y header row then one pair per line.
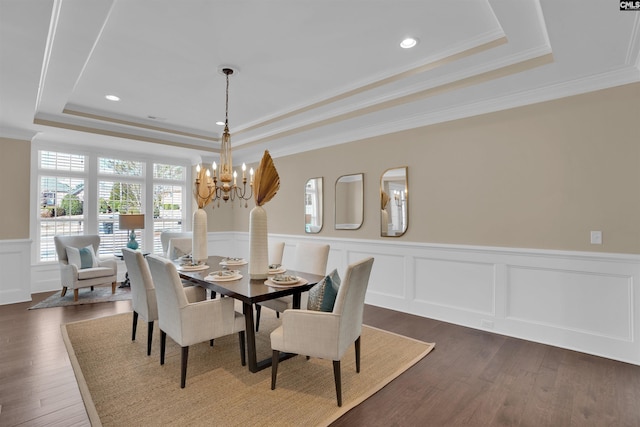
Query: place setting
x,y
231,261
276,269
285,281
223,276
186,263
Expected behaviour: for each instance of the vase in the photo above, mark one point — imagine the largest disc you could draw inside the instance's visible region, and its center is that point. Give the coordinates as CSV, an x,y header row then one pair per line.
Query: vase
x,y
258,244
199,251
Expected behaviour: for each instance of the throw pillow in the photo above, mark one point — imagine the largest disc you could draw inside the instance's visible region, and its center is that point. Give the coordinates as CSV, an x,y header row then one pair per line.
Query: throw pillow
x,y
322,297
82,257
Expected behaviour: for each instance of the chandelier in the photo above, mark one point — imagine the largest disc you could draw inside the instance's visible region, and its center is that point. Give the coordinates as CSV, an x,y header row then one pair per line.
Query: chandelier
x,y
223,186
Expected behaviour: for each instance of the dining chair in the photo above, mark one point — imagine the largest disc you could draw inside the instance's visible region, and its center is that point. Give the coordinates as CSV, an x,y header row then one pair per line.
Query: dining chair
x,y
309,258
276,250
190,323
143,293
166,236
80,267
326,335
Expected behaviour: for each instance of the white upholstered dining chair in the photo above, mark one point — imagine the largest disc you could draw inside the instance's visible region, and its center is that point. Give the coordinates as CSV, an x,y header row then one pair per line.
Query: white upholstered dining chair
x,y
80,267
176,243
190,323
309,258
326,335
143,293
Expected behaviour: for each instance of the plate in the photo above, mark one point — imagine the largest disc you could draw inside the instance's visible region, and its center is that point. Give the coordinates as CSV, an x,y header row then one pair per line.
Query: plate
x,y
287,279
278,270
233,261
217,278
299,282
193,267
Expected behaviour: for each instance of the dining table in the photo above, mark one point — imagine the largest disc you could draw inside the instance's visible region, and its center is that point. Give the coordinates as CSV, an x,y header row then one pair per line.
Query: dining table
x,y
249,292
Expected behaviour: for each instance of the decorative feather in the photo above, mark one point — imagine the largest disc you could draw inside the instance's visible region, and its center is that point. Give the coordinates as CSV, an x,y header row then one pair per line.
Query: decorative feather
x,y
267,181
384,199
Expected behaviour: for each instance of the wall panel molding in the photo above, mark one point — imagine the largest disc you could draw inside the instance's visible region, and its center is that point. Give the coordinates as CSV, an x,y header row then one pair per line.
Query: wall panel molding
x,y
584,301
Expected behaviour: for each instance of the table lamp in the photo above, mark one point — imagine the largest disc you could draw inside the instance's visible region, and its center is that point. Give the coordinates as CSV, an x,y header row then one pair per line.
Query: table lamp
x,y
132,222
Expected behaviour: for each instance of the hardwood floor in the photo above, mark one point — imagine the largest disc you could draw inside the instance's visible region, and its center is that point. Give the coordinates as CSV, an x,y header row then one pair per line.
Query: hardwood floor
x,y
472,377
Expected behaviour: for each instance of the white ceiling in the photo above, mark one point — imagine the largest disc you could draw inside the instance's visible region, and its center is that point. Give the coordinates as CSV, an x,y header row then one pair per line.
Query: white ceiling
x,y
309,73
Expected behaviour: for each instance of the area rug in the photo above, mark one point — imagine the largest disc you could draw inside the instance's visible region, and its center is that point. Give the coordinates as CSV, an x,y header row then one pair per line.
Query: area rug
x,y
85,296
121,385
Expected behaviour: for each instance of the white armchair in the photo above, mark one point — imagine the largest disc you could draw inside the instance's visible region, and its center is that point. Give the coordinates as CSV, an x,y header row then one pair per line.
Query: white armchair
x,y
326,335
190,323
143,293
73,276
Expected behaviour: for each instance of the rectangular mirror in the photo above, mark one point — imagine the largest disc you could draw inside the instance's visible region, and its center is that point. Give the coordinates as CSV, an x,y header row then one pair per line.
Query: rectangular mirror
x,y
349,209
394,202
313,205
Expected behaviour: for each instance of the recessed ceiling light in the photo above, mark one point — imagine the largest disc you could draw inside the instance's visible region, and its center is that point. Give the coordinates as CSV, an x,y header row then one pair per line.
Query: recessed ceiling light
x,y
408,43
112,98
219,123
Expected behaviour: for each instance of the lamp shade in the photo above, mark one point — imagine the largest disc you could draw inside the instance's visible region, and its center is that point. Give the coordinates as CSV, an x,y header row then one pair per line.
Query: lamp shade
x,y
131,222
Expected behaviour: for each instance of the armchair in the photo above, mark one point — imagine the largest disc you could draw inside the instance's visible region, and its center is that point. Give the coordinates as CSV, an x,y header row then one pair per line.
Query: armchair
x,y
73,276
326,335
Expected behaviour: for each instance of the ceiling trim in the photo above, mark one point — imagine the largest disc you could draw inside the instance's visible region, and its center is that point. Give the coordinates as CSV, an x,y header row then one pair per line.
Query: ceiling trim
x,y
138,125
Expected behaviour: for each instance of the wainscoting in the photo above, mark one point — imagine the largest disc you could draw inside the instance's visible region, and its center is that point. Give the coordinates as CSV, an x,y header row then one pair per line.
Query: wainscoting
x,y
583,301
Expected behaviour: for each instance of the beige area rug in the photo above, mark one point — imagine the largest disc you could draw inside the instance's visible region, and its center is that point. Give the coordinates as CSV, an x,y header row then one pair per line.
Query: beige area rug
x,y
121,385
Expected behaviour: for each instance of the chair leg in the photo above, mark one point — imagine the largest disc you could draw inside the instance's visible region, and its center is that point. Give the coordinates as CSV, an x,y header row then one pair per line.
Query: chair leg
x,y
183,366
258,310
134,326
211,342
241,338
113,288
358,355
275,358
336,376
75,294
163,345
64,291
149,337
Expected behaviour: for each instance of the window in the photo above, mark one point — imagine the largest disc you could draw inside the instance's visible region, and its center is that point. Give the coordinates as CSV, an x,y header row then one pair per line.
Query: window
x,y
61,180
86,193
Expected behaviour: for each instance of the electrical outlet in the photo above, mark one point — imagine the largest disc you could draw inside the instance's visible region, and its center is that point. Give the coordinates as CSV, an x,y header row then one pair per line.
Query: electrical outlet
x,y
596,237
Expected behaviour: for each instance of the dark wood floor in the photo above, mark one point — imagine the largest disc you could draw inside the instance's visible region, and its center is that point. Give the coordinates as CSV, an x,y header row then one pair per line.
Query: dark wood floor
x,y
472,377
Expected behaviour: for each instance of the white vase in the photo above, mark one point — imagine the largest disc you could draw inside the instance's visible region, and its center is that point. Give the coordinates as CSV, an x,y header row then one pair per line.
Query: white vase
x,y
199,249
258,244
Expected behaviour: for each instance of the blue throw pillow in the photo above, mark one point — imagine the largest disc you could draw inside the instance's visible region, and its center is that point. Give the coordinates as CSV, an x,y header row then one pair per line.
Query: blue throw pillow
x,y
82,257
322,297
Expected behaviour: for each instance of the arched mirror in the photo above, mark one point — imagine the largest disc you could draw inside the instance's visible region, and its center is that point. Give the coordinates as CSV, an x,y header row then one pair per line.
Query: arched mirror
x,y
394,202
349,202
313,205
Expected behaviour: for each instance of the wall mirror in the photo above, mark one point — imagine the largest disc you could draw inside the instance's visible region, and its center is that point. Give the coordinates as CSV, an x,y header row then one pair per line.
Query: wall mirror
x,y
349,208
394,202
313,205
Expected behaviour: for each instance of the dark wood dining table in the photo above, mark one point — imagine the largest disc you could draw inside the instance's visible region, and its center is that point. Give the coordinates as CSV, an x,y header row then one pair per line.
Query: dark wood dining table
x,y
249,292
